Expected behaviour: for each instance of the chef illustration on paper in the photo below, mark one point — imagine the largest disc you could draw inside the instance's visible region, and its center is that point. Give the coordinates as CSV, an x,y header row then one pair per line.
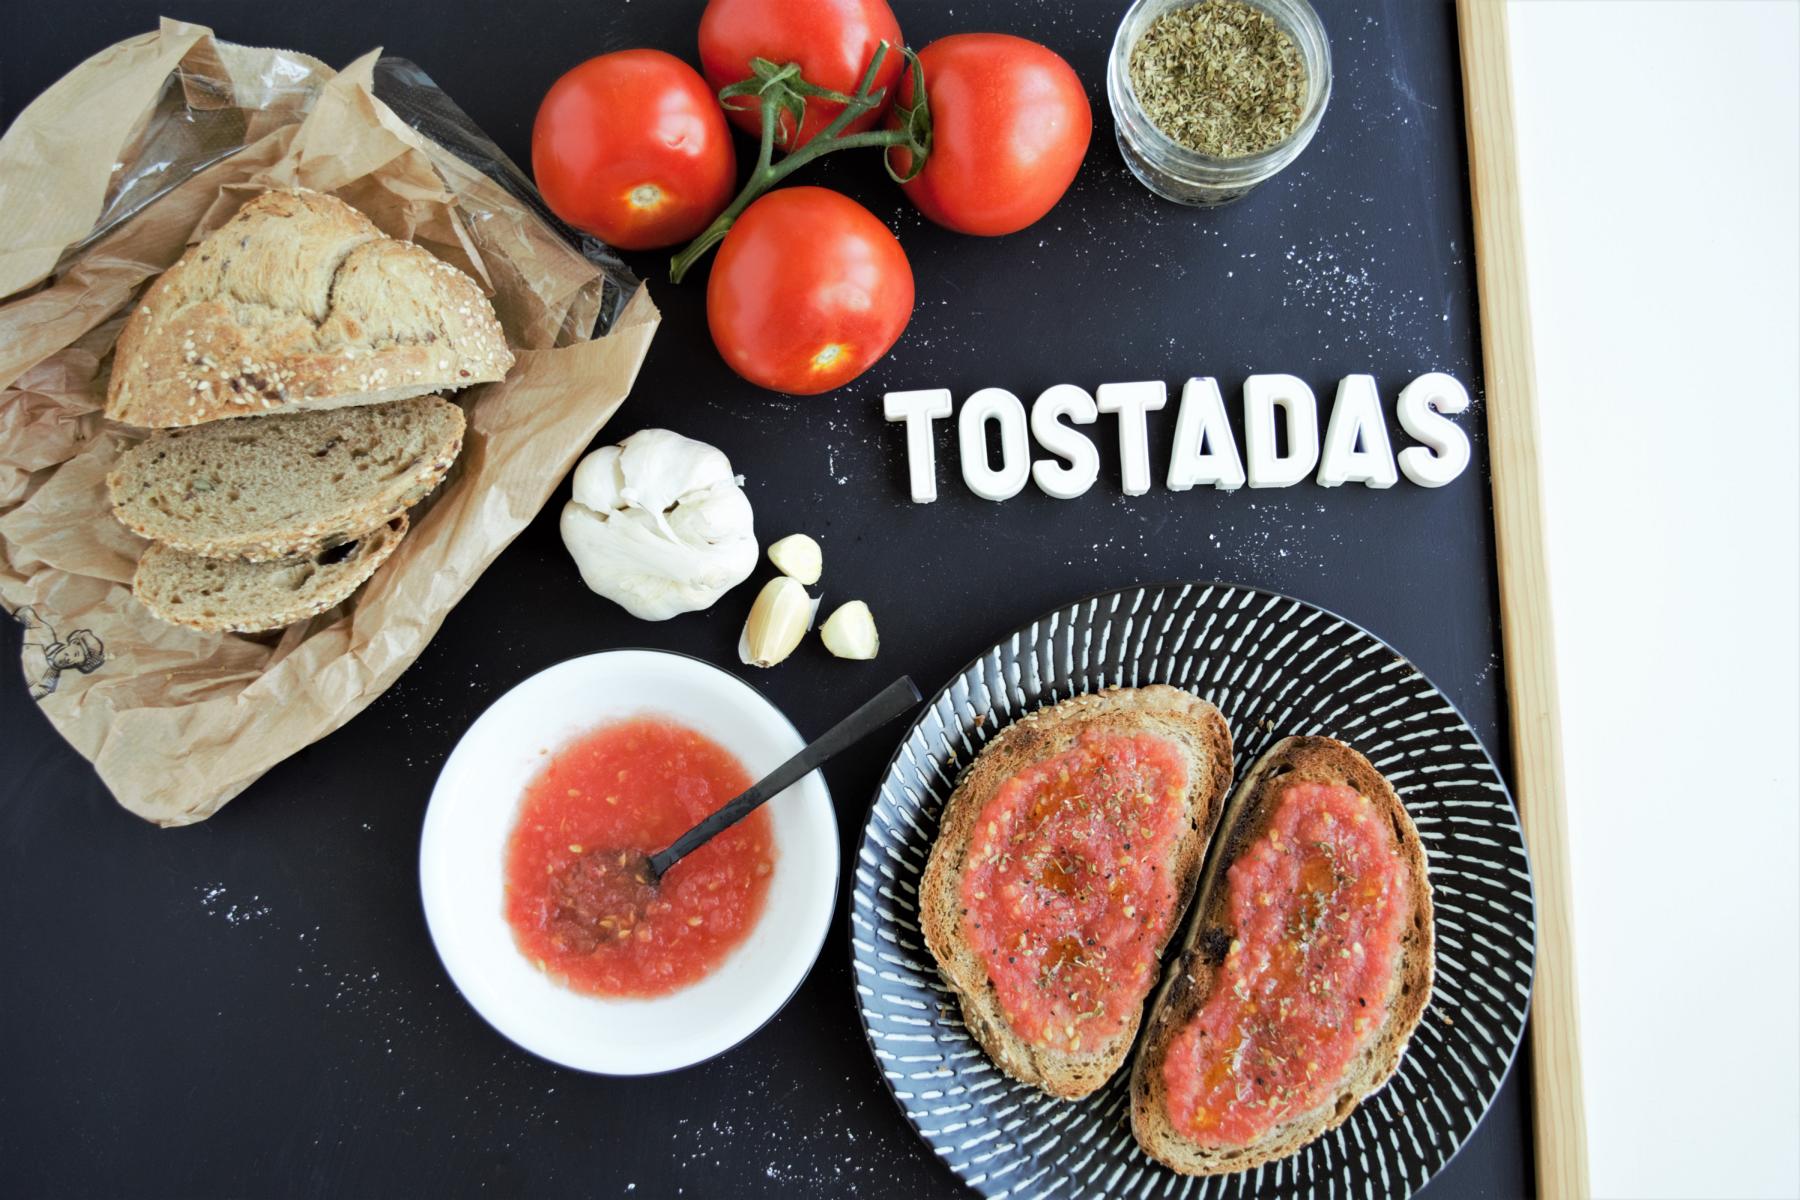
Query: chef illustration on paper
x,y
48,656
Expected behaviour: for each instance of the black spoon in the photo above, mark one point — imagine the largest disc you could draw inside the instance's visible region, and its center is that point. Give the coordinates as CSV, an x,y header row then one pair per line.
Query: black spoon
x,y
893,700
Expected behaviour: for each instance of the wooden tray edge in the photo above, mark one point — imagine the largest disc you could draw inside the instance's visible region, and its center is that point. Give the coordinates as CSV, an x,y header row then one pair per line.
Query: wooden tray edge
x,y
1559,1118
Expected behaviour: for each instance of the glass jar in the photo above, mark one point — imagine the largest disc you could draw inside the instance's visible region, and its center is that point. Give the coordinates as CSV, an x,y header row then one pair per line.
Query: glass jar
x,y
1186,176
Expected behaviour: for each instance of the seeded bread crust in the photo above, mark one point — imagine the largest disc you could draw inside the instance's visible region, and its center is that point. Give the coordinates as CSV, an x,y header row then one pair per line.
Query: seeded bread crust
x,y
1205,742
299,302
218,596
288,485
1189,980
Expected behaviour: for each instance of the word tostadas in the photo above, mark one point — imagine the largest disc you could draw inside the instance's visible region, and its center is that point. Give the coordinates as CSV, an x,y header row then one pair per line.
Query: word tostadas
x,y
1281,436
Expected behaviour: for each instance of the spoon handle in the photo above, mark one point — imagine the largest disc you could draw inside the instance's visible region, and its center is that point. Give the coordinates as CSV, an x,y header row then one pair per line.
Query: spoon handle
x,y
893,700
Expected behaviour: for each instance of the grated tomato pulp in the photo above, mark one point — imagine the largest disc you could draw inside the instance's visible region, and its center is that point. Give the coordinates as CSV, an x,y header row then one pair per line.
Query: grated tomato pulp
x,y
634,785
1066,896
1318,905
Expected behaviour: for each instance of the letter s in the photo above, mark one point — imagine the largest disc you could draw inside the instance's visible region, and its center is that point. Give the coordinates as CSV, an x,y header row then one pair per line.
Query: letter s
x,y
1426,405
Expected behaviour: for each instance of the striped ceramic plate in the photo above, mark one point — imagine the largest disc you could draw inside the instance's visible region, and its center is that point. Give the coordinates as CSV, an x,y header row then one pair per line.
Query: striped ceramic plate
x,y
1275,666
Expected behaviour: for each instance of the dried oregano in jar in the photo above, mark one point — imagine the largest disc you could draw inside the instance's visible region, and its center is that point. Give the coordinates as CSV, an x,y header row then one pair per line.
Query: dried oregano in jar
x,y
1220,77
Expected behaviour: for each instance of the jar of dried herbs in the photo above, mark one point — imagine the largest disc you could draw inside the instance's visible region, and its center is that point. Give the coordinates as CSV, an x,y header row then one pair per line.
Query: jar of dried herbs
x,y
1212,97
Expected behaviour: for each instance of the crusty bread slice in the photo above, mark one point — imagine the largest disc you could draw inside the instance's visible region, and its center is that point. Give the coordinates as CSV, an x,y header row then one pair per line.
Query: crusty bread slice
x,y
1198,729
1189,979
219,596
300,302
287,485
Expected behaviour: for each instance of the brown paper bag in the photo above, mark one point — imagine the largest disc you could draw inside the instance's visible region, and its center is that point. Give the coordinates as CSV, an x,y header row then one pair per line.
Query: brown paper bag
x,y
178,722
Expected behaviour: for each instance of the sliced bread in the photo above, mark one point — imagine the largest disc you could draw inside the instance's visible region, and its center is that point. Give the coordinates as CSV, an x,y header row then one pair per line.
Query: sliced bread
x,y
1080,873
1209,938
286,485
216,595
300,302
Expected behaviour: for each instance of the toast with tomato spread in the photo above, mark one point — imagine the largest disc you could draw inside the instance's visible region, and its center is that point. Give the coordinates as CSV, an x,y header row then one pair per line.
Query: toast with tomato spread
x,y
1303,971
1066,856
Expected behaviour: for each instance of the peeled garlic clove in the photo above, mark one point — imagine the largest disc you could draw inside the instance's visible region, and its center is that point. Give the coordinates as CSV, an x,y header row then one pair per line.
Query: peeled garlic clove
x,y
850,632
798,557
782,614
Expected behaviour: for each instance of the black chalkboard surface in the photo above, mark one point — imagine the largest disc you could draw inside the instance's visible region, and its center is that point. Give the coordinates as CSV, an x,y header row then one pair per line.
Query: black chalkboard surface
x,y
251,1005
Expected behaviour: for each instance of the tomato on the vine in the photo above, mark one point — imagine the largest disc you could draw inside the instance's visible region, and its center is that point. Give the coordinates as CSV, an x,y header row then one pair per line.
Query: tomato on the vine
x,y
1010,124
831,41
808,290
633,148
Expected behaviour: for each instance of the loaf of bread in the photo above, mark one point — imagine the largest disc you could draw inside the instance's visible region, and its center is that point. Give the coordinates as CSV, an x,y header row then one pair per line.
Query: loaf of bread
x,y
1211,936
299,302
286,485
1202,743
219,595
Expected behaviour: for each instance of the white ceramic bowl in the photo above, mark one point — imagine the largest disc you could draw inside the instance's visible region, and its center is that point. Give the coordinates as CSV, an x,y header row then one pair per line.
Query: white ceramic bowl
x,y
474,806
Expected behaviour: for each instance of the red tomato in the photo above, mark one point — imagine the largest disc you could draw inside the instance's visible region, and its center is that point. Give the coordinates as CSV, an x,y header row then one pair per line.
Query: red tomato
x,y
808,291
632,148
831,40
1009,126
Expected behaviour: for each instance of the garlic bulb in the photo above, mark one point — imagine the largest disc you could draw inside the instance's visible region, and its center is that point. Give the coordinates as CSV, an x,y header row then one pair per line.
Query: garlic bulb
x,y
798,557
659,524
850,632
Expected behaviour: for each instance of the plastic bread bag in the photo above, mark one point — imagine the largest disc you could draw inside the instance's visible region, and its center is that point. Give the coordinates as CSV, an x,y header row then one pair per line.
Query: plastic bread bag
x,y
104,182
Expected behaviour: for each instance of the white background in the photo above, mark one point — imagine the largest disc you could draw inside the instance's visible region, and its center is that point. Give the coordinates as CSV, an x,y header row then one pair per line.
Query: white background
x,y
1659,146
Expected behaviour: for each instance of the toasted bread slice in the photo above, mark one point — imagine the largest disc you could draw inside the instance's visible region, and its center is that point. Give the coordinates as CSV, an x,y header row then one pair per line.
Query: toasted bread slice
x,y
288,485
220,596
1191,976
1198,732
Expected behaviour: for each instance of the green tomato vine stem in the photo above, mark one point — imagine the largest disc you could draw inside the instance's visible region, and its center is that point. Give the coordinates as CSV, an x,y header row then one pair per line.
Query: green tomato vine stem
x,y
780,89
